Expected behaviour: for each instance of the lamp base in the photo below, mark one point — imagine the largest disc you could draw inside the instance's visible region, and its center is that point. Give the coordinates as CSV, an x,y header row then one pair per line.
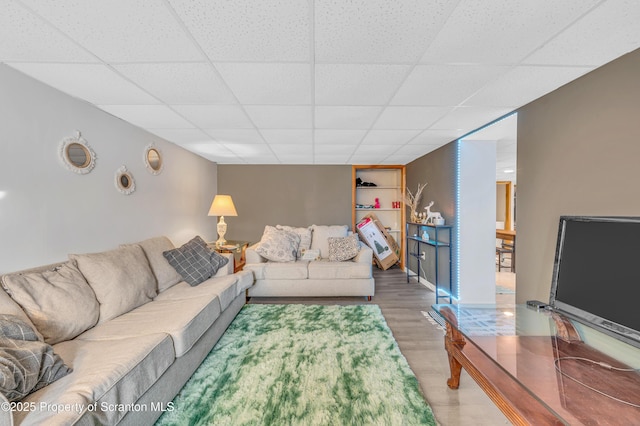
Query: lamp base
x,y
222,229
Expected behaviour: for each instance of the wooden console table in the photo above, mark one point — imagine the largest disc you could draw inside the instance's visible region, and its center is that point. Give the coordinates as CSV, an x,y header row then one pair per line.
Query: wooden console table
x,y
532,365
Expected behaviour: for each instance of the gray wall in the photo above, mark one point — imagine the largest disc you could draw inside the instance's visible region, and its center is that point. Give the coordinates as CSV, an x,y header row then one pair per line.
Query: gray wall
x,y
284,195
438,170
578,153
47,211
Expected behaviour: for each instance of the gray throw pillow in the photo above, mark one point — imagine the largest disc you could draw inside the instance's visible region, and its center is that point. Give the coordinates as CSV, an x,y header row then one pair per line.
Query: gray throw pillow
x,y
26,364
192,261
343,248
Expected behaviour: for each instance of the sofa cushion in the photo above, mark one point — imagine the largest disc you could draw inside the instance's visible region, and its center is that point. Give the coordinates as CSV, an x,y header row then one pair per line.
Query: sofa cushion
x,y
245,281
343,248
105,372
184,319
274,270
58,301
321,234
305,237
278,245
121,279
224,288
192,260
217,261
166,275
26,363
327,270
9,306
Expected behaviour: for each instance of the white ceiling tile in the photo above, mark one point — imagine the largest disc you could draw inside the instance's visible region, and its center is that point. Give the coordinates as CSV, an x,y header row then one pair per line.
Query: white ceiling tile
x,y
609,31
333,137
27,38
121,30
181,136
332,159
92,82
148,116
292,150
505,128
250,151
375,150
357,84
446,85
501,31
467,119
415,151
268,83
248,30
409,117
280,117
215,116
212,151
180,83
437,137
345,117
288,136
338,150
389,137
524,84
376,30
235,136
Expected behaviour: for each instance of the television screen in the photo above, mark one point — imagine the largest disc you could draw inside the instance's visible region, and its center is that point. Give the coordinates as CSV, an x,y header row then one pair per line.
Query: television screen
x,y
596,276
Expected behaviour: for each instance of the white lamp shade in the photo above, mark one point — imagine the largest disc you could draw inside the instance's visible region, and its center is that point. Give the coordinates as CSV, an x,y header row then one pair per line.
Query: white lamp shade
x,y
222,205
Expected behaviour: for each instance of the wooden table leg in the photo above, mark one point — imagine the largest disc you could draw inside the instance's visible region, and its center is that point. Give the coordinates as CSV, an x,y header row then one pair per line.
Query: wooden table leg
x,y
453,343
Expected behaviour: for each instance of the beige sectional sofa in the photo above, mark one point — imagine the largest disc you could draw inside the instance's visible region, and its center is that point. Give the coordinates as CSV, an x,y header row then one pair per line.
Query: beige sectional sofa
x,y
321,277
127,368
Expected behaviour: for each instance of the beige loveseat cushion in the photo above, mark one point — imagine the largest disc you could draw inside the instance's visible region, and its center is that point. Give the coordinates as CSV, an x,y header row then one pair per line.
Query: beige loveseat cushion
x,y
58,301
327,270
321,234
121,279
166,275
275,270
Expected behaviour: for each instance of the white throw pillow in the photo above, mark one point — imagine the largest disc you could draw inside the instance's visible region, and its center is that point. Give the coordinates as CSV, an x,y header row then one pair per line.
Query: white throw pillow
x,y
121,279
305,237
58,301
321,234
278,245
165,274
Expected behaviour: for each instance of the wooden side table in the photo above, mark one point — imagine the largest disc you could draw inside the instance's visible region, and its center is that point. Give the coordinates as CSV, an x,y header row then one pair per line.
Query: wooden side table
x,y
237,248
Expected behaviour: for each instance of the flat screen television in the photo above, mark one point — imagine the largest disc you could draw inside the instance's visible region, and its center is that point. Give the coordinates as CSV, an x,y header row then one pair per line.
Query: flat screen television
x,y
596,274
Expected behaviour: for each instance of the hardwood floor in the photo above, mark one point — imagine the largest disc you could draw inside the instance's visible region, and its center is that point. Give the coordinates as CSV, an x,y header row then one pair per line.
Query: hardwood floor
x,y
404,306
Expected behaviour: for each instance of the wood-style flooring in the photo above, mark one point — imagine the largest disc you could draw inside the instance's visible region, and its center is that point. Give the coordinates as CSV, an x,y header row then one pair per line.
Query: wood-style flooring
x,y
404,306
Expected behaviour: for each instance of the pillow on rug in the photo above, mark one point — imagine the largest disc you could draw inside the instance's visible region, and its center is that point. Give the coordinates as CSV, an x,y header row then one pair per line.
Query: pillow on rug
x,y
343,248
26,364
278,245
121,279
165,274
58,301
192,261
321,234
305,238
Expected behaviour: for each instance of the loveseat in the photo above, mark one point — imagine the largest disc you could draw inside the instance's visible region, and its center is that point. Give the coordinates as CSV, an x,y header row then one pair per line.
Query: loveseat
x,y
327,261
125,324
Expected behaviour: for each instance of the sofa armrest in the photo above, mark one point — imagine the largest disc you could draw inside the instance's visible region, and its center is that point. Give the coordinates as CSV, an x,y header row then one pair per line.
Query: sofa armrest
x,y
365,255
252,256
228,268
6,417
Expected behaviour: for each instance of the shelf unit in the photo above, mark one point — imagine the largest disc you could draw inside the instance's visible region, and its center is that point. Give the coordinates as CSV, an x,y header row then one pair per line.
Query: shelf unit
x,y
439,239
390,187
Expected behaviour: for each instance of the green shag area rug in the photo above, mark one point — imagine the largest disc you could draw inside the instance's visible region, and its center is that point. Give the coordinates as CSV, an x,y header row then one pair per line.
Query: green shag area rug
x,y
303,365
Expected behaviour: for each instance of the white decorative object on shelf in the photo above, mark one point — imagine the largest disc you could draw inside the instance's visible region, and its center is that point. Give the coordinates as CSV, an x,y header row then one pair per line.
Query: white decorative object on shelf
x,y
431,216
124,181
76,154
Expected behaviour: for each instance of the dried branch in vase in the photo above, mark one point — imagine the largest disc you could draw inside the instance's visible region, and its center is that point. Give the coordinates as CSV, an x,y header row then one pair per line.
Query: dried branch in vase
x,y
412,201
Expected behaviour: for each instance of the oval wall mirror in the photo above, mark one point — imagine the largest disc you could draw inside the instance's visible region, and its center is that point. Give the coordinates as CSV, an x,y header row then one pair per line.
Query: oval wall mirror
x,y
77,155
124,181
153,159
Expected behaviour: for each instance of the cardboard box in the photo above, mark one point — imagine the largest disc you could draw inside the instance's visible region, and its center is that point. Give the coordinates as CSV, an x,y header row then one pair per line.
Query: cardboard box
x,y
386,251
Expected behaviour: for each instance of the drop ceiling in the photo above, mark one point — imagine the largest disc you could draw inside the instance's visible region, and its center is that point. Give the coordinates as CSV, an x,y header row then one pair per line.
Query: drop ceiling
x,y
312,82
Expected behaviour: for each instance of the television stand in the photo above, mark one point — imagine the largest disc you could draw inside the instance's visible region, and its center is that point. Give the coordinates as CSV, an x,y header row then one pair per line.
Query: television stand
x,y
532,366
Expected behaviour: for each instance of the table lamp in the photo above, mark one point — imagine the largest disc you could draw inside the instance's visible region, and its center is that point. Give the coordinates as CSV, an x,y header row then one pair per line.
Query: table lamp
x,y
222,206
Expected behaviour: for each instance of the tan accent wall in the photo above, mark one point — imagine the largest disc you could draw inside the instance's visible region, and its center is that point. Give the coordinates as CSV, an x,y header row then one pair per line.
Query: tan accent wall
x,y
578,154
295,195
